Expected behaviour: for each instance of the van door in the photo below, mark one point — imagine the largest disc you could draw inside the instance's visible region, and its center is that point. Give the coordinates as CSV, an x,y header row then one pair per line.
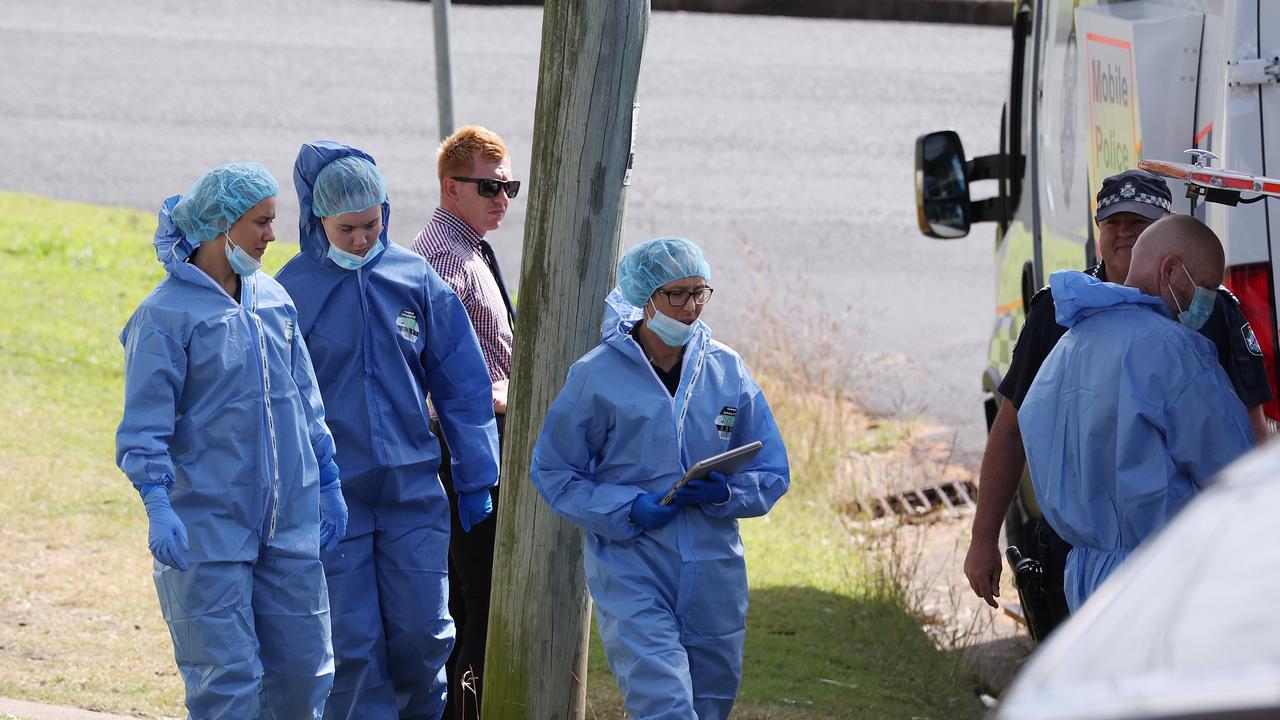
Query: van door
x,y
1062,153
1250,124
1266,214
1140,62
1269,127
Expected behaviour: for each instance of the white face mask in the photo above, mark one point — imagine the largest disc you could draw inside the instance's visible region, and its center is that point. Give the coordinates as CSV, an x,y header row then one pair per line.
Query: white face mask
x,y
1201,307
241,262
351,261
670,331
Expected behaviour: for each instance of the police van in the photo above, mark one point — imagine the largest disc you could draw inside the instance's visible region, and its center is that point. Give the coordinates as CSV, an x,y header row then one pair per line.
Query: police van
x,y
1097,88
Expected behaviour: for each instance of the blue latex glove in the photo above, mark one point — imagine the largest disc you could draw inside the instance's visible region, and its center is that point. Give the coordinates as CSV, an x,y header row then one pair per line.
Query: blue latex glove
x,y
711,490
333,516
648,514
166,535
474,507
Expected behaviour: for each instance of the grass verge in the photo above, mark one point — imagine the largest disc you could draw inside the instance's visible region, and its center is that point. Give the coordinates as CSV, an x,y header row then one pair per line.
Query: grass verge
x,y
829,636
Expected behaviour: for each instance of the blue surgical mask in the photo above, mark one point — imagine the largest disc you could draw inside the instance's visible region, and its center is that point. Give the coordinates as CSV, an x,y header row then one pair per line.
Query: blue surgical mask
x,y
351,261
241,262
670,331
1201,307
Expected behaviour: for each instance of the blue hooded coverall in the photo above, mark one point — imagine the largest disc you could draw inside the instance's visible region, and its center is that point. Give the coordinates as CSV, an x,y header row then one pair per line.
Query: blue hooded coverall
x,y
383,337
250,617
1128,418
671,603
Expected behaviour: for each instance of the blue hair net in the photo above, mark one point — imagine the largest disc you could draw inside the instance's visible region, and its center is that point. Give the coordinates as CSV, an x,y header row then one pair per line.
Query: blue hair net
x,y
348,184
650,265
219,198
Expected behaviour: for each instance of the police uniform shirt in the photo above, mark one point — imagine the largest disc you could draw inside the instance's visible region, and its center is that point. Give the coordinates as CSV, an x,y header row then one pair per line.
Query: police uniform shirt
x,y
1238,349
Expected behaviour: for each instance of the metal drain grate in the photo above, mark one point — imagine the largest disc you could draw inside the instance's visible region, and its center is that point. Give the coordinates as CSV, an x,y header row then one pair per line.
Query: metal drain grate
x,y
952,497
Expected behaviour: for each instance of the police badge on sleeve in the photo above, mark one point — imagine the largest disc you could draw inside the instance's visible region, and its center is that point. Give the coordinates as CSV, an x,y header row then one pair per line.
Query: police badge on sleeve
x,y
1251,340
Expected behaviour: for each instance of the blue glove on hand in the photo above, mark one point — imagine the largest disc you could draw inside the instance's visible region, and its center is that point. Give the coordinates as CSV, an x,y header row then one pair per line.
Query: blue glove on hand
x,y
333,516
648,514
474,507
166,535
711,490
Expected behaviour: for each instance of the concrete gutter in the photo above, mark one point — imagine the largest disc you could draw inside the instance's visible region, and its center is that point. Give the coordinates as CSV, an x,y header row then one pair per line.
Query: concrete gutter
x,y
39,711
974,12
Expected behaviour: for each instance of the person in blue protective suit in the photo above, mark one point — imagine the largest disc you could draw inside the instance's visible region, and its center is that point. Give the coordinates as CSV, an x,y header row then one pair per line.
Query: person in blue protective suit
x,y
224,437
657,395
1131,413
385,332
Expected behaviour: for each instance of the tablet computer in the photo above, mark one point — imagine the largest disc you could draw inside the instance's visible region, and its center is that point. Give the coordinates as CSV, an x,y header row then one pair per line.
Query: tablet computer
x,y
726,463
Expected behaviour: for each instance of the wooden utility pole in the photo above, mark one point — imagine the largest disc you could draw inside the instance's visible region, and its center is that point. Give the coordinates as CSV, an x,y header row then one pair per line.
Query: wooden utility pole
x,y
536,657
444,71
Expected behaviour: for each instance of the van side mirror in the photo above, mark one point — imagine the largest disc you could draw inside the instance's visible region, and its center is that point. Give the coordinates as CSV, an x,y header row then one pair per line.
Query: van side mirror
x,y
942,186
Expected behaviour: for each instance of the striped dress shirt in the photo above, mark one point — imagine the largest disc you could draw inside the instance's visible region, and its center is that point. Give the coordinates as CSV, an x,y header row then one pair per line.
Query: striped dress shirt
x,y
453,250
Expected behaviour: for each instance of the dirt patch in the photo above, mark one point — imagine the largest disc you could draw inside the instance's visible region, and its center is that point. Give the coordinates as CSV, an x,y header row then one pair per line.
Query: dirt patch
x,y
992,641
923,547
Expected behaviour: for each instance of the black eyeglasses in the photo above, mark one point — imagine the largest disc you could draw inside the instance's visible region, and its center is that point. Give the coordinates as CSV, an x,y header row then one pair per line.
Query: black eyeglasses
x,y
678,298
488,187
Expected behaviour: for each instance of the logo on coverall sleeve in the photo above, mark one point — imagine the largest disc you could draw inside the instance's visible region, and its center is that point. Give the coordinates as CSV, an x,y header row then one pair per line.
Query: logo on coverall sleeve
x,y
407,324
725,420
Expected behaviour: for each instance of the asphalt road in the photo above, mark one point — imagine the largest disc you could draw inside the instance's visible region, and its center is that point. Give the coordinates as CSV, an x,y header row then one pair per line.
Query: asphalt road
x,y
783,146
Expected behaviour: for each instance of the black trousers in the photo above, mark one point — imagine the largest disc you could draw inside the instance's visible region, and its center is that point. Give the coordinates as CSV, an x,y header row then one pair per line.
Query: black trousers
x,y
470,583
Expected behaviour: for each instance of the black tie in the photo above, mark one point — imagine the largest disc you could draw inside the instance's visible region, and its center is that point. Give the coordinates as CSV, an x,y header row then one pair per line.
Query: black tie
x,y
486,251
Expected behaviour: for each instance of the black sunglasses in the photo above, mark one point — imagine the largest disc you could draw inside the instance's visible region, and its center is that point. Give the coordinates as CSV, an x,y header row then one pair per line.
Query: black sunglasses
x,y
488,187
